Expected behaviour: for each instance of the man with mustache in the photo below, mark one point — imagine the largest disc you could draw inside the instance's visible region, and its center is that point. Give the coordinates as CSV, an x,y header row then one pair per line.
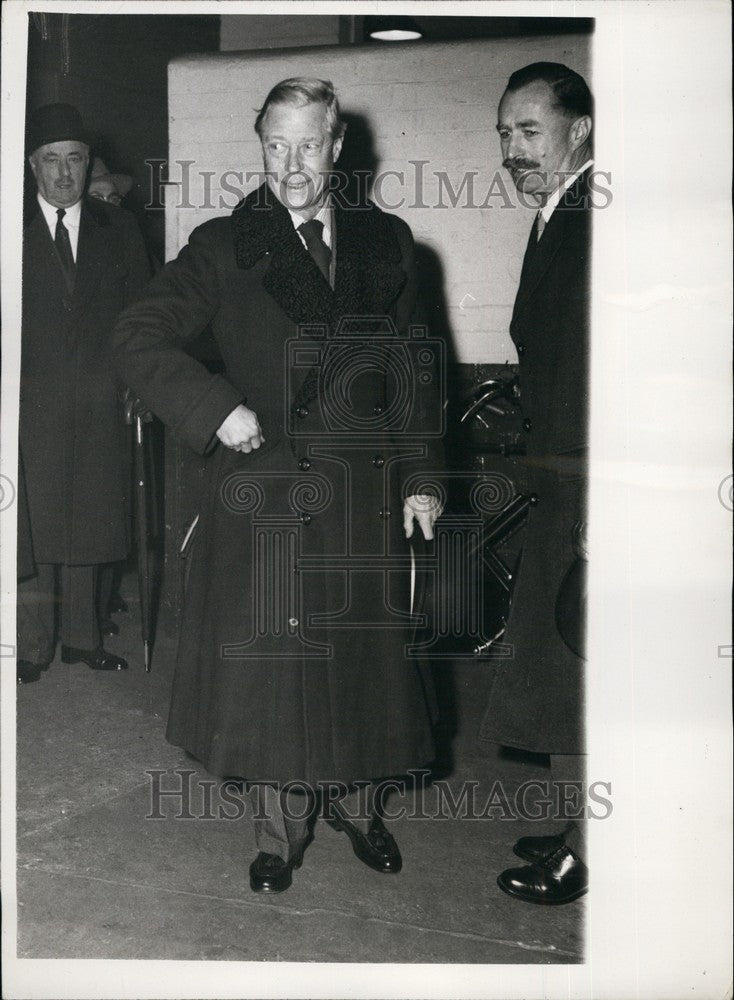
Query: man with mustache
x,y
292,670
536,700
83,261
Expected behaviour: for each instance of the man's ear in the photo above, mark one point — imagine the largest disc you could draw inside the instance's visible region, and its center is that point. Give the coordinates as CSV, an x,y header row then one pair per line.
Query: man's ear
x,y
580,131
32,163
336,146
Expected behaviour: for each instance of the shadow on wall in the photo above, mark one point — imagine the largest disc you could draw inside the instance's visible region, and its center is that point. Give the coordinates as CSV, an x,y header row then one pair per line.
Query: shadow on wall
x,y
358,165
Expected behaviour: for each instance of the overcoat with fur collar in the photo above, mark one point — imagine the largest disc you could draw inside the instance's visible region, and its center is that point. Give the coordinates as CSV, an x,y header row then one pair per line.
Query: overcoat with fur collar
x,y
292,662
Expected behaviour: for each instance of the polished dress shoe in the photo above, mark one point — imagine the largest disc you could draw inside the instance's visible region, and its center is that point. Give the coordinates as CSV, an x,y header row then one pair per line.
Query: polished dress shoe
x,y
27,672
97,659
270,873
537,848
108,627
376,848
559,878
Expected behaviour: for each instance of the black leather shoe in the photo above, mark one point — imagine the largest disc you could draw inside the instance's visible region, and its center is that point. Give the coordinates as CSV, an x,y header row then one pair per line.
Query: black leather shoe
x,y
108,627
97,659
270,873
537,848
27,672
376,848
559,878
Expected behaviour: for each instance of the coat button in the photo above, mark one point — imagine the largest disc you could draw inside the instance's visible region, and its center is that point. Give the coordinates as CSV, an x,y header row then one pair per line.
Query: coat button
x,y
521,349
527,424
304,465
305,518
378,461
302,411
385,512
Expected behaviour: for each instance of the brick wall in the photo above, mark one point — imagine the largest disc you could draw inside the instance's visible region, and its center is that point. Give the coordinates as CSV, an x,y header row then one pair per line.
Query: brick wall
x,y
407,103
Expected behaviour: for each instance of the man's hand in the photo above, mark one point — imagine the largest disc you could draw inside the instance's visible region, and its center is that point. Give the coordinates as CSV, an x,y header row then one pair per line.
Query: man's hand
x,y
135,408
241,430
423,508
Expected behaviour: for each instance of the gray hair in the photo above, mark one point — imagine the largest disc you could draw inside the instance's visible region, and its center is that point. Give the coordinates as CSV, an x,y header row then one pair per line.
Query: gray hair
x,y
298,91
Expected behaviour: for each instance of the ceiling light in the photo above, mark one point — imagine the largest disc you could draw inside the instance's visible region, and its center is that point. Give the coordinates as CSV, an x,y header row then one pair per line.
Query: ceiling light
x,y
392,29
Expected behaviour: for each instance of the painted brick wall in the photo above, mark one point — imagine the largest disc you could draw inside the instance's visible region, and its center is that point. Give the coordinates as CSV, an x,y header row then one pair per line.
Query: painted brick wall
x,y
422,102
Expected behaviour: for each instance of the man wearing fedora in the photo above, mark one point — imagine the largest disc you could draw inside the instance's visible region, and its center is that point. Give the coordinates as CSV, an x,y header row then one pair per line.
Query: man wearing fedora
x,y
83,261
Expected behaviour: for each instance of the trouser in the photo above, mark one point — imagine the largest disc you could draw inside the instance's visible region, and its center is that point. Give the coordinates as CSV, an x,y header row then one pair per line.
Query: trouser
x,y
282,816
570,768
105,580
70,588
109,576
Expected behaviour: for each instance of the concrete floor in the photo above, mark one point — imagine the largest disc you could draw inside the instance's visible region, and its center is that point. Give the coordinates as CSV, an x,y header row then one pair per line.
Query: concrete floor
x,y
97,879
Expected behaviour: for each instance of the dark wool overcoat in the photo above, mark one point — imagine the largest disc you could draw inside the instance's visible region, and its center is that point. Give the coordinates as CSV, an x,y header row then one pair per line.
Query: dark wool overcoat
x,y
292,658
536,701
72,433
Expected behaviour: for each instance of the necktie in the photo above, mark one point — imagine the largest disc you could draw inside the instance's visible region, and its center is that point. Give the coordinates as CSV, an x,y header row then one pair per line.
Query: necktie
x,y
311,232
539,225
63,248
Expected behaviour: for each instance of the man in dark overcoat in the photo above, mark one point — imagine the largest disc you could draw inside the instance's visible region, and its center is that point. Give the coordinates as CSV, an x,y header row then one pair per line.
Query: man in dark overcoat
x,y
83,261
292,663
536,699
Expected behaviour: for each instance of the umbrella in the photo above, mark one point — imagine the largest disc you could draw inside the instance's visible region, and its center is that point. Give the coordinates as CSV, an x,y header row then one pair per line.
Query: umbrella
x,y
142,533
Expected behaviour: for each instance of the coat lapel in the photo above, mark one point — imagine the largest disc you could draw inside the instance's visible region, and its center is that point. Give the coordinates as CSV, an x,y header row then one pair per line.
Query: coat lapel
x,y
39,254
92,252
369,275
539,259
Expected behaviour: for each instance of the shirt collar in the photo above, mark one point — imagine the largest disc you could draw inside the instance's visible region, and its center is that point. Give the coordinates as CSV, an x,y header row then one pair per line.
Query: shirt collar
x,y
72,215
555,196
324,216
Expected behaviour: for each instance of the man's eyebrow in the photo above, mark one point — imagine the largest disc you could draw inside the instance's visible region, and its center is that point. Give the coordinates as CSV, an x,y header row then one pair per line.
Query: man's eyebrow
x,y
308,138
529,123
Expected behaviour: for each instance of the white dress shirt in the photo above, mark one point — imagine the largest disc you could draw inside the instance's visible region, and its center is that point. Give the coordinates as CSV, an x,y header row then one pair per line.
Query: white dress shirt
x,y
555,196
324,216
71,220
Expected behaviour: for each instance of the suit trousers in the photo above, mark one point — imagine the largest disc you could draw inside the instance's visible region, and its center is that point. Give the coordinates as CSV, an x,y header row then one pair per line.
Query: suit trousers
x,y
282,817
70,588
570,768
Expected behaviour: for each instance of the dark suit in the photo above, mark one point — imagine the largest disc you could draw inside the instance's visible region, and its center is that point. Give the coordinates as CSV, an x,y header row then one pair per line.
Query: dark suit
x,y
315,684
72,433
536,700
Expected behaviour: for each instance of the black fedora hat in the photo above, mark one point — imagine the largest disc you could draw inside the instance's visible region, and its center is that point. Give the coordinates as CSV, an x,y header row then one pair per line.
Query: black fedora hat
x,y
55,123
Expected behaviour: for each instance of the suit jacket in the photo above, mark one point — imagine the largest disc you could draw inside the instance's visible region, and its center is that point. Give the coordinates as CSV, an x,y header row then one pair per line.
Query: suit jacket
x,y
536,699
71,429
291,662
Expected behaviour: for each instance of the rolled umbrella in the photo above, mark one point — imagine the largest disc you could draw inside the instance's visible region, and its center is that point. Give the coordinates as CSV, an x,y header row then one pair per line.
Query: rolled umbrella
x,y
141,518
